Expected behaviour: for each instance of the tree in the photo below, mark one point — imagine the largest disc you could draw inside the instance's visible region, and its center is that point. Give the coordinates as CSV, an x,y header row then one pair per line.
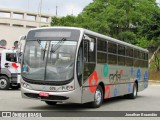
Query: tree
x,y
132,21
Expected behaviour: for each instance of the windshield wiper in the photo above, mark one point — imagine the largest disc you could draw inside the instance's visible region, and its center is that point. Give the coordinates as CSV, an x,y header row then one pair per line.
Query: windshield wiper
x,y
44,49
58,45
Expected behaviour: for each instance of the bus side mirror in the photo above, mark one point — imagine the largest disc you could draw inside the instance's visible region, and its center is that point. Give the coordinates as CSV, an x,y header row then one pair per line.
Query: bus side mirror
x,y
22,37
91,46
91,43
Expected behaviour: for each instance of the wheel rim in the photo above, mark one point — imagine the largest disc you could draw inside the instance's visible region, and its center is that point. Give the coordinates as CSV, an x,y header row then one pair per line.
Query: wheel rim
x,y
3,83
135,91
98,97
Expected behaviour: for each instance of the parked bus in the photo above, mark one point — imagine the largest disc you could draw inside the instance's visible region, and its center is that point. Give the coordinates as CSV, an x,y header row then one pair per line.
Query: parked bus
x,y
75,65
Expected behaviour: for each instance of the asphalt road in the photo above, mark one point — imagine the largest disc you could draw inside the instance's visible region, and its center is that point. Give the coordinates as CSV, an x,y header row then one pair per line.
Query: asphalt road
x,y
147,100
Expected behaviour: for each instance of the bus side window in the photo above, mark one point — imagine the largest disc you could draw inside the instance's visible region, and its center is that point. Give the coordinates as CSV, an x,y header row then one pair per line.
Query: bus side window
x,y
0,60
89,59
86,49
80,64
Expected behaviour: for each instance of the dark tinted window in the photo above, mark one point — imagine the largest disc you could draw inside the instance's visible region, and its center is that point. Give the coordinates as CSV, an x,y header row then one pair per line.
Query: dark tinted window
x,y
101,45
0,60
92,54
112,48
121,50
88,70
141,55
136,63
89,59
129,61
112,59
136,53
146,56
121,60
89,56
11,57
86,49
101,57
129,52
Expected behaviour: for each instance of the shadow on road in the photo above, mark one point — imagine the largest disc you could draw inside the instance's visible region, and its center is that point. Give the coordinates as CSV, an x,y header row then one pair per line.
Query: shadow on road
x,y
10,89
79,107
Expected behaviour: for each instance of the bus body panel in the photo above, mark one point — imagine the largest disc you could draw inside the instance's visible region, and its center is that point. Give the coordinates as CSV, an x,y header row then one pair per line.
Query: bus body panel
x,y
118,80
73,96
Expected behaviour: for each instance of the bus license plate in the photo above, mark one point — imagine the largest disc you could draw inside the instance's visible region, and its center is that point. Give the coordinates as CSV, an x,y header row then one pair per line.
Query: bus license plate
x,y
43,94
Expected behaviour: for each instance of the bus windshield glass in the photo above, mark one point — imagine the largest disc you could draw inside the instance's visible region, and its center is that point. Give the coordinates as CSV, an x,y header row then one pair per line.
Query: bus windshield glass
x,y
49,60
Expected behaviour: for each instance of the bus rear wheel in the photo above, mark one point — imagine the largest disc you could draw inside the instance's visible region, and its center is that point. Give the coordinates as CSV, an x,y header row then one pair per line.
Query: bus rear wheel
x,y
98,97
4,83
133,95
50,102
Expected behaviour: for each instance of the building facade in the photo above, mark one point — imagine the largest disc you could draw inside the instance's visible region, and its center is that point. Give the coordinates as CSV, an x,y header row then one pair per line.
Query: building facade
x,y
15,23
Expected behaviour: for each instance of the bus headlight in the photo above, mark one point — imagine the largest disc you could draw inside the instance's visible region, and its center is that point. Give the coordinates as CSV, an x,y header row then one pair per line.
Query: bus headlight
x,y
26,85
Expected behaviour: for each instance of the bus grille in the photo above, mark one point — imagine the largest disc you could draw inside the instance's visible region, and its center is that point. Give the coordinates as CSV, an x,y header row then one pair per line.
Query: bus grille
x,y
51,97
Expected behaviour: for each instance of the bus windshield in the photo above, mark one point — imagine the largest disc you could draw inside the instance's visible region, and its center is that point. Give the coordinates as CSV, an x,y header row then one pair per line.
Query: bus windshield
x,y
49,60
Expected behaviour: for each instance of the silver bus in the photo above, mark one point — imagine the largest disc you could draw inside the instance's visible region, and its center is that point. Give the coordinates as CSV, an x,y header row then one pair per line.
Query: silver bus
x,y
75,65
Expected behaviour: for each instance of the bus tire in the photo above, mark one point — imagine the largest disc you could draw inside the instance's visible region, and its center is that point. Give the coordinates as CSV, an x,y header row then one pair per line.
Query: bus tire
x,y
50,102
98,98
133,95
4,83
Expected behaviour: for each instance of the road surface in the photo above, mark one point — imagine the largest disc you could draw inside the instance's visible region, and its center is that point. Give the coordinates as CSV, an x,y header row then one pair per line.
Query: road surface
x,y
147,100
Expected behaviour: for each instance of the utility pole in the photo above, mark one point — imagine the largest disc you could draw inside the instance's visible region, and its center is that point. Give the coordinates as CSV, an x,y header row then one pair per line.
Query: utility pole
x,y
72,12
56,10
40,13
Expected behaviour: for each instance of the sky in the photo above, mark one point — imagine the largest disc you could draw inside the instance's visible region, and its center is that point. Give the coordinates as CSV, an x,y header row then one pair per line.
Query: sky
x,y
65,7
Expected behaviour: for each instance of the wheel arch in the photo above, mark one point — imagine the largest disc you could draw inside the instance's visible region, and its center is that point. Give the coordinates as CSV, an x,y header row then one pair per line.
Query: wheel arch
x,y
136,81
103,88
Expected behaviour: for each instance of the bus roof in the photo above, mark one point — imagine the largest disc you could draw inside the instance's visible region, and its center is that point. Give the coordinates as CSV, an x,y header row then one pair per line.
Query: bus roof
x,y
95,34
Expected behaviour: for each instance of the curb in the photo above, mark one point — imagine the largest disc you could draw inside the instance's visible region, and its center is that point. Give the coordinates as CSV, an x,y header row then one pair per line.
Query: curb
x,y
154,82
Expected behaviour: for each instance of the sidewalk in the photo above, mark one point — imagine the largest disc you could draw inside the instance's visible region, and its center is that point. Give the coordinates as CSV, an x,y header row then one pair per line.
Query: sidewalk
x,y
157,82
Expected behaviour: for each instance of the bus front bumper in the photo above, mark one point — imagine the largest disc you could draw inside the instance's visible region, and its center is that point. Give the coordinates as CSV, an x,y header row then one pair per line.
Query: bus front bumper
x,y
68,97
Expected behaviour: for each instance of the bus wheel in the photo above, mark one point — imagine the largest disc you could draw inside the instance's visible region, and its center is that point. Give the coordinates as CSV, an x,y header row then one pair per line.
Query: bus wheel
x,y
98,98
133,95
4,83
50,103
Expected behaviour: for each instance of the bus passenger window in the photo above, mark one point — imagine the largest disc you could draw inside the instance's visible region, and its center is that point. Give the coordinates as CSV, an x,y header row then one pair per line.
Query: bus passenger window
x,y
101,45
89,59
89,56
112,59
80,64
112,48
86,49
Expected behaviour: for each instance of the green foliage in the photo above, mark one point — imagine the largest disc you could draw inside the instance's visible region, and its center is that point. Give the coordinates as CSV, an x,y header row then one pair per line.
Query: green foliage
x,y
128,36
143,42
133,21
